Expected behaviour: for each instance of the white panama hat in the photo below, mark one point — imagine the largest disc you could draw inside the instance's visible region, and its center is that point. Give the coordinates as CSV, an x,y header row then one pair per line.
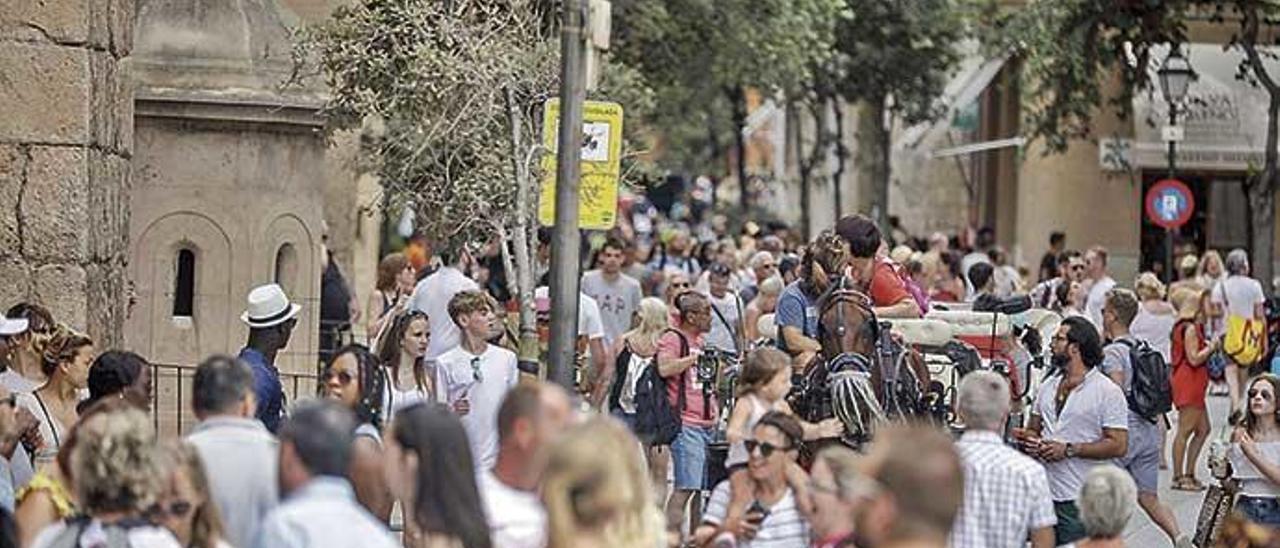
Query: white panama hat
x,y
15,326
269,306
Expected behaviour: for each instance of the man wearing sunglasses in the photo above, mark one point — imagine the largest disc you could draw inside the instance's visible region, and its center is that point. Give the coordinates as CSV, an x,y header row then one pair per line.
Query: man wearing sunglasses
x,y
474,377
764,265
1080,420
1070,268
774,519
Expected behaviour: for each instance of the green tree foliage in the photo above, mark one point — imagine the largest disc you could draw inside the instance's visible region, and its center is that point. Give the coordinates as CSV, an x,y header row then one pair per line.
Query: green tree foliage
x,y
700,55
895,56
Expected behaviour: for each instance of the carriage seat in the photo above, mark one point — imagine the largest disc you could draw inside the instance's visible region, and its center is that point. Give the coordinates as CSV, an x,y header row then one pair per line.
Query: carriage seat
x,y
965,323
927,332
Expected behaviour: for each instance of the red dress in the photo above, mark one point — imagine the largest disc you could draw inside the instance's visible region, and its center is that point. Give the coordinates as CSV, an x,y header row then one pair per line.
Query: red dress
x,y
1190,382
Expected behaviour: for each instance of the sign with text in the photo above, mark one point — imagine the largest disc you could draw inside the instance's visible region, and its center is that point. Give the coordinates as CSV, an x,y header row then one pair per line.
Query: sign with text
x,y
601,157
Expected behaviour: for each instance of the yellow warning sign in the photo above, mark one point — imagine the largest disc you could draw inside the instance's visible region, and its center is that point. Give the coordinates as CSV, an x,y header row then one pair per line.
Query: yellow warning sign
x,y
601,164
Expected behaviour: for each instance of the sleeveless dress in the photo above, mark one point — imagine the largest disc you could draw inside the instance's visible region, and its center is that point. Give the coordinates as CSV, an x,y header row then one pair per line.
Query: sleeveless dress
x,y
1190,382
738,451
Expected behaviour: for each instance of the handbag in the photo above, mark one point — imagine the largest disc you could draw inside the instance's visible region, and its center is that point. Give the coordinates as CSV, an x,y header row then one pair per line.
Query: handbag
x,y
1218,502
1245,340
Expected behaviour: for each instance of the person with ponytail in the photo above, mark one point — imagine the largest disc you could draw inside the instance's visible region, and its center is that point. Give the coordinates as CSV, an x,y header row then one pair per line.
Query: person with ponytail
x,y
797,313
65,365
402,352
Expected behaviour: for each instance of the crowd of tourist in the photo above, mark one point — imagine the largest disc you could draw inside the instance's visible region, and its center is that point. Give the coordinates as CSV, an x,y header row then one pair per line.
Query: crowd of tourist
x,y
433,434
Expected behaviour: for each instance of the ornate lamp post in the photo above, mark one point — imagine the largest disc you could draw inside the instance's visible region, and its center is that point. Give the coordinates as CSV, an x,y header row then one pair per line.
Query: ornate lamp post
x,y
1175,78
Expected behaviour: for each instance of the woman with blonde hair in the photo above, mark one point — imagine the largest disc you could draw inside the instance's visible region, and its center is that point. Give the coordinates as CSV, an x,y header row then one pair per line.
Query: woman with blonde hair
x,y
118,477
595,490
635,351
1155,318
65,365
1190,350
186,510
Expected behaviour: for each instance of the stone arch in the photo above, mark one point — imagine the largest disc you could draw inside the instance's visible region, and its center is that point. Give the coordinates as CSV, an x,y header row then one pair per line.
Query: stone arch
x,y
153,329
290,233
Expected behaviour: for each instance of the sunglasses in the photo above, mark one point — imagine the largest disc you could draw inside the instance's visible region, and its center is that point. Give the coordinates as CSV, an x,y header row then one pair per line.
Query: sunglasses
x,y
1252,393
178,508
475,369
1077,267
766,448
11,400
343,376
681,285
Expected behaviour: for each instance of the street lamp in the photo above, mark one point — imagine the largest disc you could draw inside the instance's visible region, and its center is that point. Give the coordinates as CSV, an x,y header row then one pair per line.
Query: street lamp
x,y
1175,77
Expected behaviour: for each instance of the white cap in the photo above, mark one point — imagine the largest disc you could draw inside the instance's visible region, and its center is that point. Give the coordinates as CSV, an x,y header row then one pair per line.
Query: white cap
x,y
15,326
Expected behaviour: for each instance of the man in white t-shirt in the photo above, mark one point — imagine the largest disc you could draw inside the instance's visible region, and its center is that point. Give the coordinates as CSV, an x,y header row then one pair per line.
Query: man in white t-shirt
x,y
475,376
726,311
531,417
432,296
1080,420
1099,283
1237,295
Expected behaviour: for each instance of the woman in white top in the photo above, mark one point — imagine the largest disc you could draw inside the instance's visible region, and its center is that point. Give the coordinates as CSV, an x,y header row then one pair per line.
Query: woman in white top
x,y
65,365
354,380
635,351
1154,325
1155,319
1241,296
186,509
1255,454
402,356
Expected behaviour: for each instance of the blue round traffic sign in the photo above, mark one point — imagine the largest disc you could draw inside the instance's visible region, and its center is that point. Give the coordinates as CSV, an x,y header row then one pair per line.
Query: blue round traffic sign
x,y
1169,203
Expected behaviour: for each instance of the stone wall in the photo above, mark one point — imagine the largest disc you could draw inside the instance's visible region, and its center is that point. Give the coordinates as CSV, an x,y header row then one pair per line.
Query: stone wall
x,y
66,138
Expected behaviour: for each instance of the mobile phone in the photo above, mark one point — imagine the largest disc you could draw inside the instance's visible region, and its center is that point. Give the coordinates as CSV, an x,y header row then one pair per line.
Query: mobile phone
x,y
755,510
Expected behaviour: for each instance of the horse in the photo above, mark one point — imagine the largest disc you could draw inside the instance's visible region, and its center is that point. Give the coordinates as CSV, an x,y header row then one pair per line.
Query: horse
x,y
863,376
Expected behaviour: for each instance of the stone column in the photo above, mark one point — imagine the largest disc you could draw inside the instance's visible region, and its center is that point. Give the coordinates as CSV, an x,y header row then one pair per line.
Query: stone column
x,y
66,137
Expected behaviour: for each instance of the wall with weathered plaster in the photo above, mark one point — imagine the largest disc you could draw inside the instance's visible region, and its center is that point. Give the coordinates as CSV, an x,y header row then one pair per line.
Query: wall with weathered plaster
x,y
66,136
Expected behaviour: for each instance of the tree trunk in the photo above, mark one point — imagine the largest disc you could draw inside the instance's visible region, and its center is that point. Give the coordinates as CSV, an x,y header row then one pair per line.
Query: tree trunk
x,y
873,153
520,282
738,101
837,179
1262,203
1262,197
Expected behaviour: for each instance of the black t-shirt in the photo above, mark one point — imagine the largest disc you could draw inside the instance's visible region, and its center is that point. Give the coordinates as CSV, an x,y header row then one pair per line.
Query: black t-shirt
x,y
335,299
1049,266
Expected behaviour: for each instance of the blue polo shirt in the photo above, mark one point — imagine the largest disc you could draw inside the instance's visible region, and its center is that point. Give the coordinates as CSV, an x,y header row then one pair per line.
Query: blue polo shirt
x,y
267,388
797,310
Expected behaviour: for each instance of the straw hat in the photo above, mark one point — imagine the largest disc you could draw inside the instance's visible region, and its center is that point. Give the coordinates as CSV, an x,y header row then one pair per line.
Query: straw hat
x,y
268,306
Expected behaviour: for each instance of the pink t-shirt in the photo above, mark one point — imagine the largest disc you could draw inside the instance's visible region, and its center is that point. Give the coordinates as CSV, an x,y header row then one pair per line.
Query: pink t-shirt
x,y
696,412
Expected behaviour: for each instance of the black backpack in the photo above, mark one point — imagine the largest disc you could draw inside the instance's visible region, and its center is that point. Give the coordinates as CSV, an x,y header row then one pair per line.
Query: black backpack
x,y
657,422
1151,393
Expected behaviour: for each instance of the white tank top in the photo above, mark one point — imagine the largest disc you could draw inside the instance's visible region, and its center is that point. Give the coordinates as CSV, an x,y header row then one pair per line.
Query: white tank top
x,y
1155,329
738,451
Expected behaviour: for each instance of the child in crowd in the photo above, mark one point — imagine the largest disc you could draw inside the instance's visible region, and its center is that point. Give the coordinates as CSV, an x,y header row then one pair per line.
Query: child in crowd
x,y
763,387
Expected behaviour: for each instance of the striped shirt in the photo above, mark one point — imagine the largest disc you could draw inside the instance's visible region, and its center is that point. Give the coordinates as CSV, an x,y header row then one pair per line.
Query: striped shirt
x,y
1006,494
784,527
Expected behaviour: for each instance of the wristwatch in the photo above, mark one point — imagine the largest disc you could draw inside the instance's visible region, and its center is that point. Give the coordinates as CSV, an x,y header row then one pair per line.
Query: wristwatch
x,y
1071,451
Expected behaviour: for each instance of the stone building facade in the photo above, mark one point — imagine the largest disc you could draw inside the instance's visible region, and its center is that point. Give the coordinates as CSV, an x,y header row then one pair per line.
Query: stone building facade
x,y
66,141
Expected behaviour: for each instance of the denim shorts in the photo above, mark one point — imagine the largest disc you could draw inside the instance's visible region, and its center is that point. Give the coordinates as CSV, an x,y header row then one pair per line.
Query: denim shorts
x,y
1260,510
689,455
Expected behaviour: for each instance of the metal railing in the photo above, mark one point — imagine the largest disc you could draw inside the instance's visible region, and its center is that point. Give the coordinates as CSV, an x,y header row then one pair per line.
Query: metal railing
x,y
174,404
